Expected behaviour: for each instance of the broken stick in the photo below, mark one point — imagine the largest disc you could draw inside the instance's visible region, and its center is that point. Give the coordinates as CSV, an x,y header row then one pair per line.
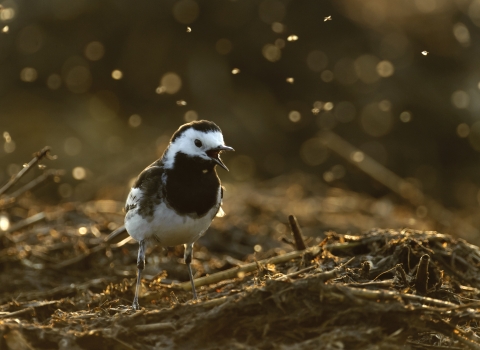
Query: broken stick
x,y
37,157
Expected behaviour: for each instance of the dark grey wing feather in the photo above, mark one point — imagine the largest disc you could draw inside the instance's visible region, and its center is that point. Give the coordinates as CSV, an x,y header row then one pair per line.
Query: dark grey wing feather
x,y
150,183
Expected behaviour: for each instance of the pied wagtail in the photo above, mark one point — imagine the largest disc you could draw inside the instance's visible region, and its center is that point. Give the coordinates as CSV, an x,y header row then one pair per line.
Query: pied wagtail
x,y
174,200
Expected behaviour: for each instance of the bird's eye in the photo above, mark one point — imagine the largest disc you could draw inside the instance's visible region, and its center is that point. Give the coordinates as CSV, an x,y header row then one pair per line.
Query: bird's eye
x,y
198,143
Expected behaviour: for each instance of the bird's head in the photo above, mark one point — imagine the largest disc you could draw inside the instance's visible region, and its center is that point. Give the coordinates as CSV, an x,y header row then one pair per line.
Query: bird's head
x,y
201,139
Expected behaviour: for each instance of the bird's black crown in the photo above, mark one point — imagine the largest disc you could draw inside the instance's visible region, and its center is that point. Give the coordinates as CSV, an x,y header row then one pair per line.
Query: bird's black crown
x,y
200,125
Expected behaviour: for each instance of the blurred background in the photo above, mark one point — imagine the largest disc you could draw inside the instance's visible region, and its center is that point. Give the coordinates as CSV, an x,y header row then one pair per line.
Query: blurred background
x,y
344,91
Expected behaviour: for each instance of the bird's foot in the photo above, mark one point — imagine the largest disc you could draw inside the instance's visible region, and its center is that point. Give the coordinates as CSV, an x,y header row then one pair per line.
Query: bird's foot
x,y
135,305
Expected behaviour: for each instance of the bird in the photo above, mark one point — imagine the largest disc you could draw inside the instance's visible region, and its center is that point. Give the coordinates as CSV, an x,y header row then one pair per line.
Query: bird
x,y
174,200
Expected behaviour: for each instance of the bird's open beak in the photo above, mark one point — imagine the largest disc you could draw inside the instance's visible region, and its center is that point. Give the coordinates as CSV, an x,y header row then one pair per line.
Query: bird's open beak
x,y
214,153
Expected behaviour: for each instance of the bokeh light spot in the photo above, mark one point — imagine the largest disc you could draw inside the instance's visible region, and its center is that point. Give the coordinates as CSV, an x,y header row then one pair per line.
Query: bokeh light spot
x,y
7,14
327,76
406,116
385,69
278,27
421,211
366,68
160,90
336,172
94,51
171,82
134,121
385,105
7,137
474,12
54,81
290,80
9,147
28,74
328,176
357,156
271,52
292,37
235,71
117,74
328,106
294,116
460,99
13,169
190,116
461,33
78,79
30,39
426,6
79,173
65,190
4,223
463,130
280,43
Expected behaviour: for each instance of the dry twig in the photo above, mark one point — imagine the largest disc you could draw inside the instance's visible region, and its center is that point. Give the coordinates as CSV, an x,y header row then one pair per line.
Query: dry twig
x,y
36,158
234,272
297,233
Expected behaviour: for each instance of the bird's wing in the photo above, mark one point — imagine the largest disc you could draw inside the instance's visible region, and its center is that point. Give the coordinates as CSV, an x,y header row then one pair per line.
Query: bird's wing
x,y
148,187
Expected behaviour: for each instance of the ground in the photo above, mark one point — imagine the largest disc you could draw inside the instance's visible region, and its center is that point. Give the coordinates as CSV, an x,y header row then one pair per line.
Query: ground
x,y
66,285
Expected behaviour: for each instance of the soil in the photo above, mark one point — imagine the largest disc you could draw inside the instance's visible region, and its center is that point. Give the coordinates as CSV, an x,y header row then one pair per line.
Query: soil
x,y
65,284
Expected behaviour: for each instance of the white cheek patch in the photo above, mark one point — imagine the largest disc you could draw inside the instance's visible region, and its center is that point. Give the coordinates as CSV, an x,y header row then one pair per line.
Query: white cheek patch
x,y
186,145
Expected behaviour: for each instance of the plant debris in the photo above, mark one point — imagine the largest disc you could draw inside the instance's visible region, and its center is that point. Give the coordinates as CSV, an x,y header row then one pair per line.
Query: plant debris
x,y
67,282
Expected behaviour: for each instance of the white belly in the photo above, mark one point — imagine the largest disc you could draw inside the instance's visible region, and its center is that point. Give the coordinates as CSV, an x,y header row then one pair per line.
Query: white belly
x,y
167,227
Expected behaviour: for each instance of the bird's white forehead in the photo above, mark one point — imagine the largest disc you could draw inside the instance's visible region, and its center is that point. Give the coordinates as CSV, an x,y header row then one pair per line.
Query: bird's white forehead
x,y
209,138
186,144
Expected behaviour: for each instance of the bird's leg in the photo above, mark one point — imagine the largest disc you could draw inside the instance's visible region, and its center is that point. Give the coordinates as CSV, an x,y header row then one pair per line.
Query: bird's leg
x,y
188,260
140,267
